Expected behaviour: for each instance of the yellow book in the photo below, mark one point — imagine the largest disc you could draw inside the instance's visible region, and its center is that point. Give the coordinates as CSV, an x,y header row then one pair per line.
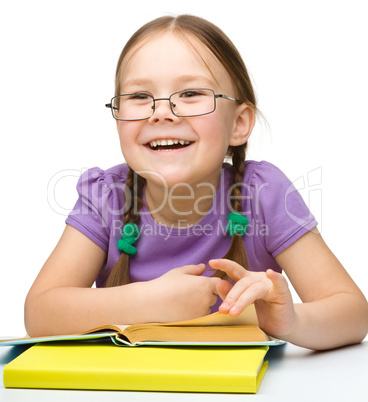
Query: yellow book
x,y
103,366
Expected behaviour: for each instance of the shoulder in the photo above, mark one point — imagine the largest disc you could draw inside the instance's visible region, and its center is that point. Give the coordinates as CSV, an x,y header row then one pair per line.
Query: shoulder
x,y
97,183
100,202
261,175
101,190
275,202
108,177
264,172
259,171
270,188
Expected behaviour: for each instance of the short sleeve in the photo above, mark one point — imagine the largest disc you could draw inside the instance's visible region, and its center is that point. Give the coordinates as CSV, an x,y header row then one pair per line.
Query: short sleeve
x,y
98,194
279,207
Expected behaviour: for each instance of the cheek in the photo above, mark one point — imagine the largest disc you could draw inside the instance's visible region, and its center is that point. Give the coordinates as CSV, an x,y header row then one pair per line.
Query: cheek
x,y
126,139
128,132
217,128
123,143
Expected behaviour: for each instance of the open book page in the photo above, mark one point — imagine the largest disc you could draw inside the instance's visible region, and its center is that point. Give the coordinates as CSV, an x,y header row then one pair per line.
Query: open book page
x,y
216,327
243,329
248,316
196,334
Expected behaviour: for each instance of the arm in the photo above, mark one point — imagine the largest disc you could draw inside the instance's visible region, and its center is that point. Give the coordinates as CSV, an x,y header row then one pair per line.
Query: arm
x,y
334,312
61,300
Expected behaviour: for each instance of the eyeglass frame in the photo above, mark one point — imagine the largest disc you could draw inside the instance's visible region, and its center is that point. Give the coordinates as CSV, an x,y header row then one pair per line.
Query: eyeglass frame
x,y
215,96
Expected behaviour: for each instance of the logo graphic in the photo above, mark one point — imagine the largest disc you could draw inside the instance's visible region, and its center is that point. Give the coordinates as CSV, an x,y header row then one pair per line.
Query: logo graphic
x,y
310,188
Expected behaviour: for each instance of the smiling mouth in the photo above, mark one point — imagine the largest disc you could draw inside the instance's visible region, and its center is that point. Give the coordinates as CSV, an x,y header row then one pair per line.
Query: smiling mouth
x,y
168,145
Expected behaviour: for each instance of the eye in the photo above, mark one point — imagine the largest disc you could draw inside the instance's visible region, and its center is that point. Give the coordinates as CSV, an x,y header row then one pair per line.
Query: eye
x,y
190,93
139,96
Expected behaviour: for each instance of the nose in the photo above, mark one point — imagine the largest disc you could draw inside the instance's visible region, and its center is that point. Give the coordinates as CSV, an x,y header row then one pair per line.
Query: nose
x,y
162,110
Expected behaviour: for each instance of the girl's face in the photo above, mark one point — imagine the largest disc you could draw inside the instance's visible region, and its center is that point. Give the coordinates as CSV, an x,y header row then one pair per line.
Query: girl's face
x,y
159,67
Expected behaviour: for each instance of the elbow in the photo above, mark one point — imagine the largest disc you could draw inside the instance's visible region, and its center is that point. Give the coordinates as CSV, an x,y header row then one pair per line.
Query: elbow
x,y
32,317
361,322
28,321
364,320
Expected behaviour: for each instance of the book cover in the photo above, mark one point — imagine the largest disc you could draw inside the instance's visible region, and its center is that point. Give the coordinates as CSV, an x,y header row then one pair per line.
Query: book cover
x,y
102,366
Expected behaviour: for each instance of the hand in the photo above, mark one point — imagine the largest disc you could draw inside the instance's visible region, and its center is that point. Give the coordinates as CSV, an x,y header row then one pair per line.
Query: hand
x,y
268,291
184,294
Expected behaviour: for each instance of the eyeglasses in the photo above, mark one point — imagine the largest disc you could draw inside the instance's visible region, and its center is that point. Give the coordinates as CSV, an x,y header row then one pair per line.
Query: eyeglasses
x,y
188,103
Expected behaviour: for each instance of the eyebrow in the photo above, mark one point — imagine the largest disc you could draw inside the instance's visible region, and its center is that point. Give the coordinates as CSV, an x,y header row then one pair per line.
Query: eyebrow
x,y
136,82
184,79
196,78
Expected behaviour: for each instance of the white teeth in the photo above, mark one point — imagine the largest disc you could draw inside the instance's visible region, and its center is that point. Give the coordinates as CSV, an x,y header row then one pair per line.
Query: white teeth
x,y
156,143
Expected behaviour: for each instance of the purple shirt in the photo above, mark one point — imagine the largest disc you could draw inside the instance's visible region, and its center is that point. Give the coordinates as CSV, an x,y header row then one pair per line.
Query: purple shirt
x,y
277,217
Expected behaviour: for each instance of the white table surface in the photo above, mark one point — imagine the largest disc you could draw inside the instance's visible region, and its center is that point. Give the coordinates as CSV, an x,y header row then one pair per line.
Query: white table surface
x,y
294,374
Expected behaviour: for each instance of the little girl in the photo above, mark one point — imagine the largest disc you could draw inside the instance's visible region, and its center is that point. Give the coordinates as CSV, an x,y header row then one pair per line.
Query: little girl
x,y
176,232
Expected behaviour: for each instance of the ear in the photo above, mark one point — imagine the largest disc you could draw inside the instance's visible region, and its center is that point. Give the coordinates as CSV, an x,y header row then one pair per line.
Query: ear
x,y
243,125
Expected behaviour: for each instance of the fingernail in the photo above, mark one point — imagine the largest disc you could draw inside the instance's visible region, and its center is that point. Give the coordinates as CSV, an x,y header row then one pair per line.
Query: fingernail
x,y
233,310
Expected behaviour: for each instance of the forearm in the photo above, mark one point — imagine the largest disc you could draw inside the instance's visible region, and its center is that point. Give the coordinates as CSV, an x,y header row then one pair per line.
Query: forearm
x,y
180,294
71,310
339,320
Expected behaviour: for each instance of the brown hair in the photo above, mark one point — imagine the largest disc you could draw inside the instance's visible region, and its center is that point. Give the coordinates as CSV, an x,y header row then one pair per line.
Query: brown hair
x,y
227,54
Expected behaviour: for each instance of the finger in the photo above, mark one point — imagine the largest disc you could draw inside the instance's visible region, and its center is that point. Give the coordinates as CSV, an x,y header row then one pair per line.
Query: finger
x,y
279,283
213,292
244,293
213,300
233,269
240,287
277,279
192,269
223,288
214,282
255,292
235,292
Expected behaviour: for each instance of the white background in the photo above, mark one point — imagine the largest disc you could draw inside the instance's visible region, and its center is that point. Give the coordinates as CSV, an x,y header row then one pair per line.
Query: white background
x,y
308,62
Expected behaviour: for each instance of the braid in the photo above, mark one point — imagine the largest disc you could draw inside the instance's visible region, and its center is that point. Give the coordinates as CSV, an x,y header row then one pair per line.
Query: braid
x,y
133,197
133,203
238,175
236,250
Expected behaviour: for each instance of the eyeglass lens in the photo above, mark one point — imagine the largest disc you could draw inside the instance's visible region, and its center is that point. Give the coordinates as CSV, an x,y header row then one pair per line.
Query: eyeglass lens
x,y
192,102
